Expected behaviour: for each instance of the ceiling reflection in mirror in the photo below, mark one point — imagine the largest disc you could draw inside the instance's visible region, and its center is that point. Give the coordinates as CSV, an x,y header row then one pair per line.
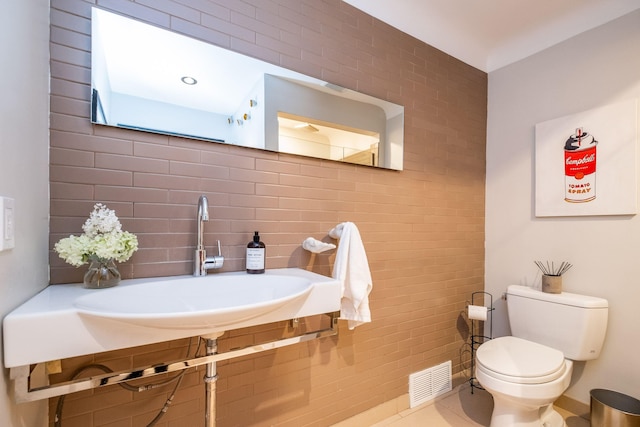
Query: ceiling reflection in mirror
x,y
149,79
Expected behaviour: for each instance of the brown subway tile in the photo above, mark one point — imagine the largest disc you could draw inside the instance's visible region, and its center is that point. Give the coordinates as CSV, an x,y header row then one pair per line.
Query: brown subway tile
x,y
156,151
71,191
128,163
90,143
75,18
198,170
143,195
240,160
79,73
84,175
66,157
70,106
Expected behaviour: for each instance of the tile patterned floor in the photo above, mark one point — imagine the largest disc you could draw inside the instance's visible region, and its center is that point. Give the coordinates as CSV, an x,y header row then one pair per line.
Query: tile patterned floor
x,y
459,408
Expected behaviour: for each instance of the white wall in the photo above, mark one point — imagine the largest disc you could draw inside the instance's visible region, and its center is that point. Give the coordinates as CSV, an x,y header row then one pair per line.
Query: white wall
x,y
24,171
594,69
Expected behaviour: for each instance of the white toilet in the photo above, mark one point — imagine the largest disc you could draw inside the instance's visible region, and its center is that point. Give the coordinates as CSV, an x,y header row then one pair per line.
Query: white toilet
x,y
526,372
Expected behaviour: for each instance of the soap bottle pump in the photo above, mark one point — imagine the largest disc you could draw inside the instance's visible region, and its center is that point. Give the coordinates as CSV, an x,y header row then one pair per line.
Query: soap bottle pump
x,y
255,255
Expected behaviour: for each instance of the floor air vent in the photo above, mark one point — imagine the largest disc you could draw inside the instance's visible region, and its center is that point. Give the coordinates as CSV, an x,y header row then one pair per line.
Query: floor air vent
x,y
426,385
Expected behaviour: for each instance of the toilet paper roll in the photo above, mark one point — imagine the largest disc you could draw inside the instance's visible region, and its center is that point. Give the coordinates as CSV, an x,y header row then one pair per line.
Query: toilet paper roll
x,y
477,312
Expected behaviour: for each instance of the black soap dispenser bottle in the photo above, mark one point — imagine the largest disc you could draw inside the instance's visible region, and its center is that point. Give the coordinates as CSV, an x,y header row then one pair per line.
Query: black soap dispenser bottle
x,y
255,255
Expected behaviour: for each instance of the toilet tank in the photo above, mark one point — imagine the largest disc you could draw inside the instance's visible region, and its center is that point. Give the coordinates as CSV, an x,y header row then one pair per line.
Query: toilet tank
x,y
574,324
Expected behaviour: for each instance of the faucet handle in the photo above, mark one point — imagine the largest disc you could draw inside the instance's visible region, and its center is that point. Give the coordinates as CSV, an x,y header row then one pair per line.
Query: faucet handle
x,y
215,261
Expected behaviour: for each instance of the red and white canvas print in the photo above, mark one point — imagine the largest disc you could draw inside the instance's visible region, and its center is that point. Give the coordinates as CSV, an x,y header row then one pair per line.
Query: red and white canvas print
x,y
585,163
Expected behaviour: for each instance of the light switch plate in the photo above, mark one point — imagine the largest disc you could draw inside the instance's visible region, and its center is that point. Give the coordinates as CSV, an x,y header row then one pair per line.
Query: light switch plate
x,y
7,223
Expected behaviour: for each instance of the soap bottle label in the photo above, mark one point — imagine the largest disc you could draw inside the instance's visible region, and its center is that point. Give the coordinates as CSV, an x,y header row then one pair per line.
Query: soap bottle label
x,y
255,259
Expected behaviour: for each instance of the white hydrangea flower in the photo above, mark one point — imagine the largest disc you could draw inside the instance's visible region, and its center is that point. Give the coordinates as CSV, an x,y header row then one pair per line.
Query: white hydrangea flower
x,y
72,249
103,239
101,220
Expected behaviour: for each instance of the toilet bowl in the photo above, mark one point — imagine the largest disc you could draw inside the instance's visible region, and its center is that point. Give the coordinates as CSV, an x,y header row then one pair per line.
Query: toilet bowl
x,y
524,378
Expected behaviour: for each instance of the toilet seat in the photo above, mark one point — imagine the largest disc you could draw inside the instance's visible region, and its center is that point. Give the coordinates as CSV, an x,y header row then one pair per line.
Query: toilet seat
x,y
520,361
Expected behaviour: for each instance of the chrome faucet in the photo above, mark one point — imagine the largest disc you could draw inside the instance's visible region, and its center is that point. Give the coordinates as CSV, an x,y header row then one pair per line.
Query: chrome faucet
x,y
202,261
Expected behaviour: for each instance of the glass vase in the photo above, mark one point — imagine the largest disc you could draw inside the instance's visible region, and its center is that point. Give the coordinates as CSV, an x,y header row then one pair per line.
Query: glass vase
x,y
102,273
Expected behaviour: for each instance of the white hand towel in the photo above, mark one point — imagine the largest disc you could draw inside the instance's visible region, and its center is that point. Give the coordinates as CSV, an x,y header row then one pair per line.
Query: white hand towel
x,y
316,246
351,267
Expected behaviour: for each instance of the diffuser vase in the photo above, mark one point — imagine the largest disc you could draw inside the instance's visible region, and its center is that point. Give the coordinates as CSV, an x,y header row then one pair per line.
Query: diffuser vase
x,y
551,284
102,273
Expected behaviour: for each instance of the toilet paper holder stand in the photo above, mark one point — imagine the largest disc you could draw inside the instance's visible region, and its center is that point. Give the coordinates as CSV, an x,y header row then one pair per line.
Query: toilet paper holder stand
x,y
479,337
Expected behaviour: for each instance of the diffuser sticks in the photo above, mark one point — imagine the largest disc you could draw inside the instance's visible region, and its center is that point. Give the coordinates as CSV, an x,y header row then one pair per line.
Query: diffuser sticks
x,y
551,270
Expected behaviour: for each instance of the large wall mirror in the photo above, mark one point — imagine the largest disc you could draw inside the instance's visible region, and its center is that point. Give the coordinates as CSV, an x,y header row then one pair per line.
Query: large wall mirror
x,y
150,79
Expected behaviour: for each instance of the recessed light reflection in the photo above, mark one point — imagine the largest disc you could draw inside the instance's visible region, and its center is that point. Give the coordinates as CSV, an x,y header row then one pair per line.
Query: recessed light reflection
x,y
189,80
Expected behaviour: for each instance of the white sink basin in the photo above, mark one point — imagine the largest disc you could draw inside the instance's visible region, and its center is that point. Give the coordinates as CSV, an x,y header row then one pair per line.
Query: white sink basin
x,y
68,320
196,302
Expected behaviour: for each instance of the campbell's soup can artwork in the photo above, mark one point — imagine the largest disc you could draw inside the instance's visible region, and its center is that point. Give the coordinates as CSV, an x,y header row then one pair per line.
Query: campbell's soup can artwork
x,y
580,167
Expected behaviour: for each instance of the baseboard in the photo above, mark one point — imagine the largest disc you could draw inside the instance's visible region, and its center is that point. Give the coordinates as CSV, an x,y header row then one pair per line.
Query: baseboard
x,y
574,406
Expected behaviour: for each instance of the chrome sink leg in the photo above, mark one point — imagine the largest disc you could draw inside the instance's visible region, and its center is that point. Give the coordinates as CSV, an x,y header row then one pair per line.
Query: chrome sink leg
x,y
210,379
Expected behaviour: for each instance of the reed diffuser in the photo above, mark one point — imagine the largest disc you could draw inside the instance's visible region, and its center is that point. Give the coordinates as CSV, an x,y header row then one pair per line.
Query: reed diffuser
x,y
552,275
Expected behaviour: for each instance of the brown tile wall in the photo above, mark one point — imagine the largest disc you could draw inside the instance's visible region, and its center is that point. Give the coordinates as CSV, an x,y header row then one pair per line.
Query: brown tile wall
x,y
423,228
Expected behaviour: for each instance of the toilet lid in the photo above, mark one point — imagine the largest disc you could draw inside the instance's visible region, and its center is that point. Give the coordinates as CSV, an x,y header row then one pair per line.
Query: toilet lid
x,y
518,360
